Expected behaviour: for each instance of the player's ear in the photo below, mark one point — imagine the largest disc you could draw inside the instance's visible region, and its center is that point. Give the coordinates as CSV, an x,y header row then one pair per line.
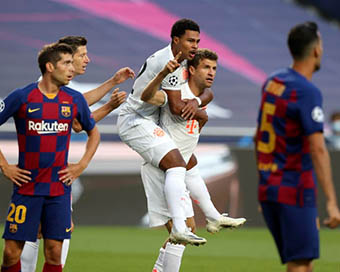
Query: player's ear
x,y
175,40
49,67
192,70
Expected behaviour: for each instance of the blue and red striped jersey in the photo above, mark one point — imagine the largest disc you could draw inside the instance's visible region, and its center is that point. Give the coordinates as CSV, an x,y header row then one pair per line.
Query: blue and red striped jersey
x,y
43,129
290,111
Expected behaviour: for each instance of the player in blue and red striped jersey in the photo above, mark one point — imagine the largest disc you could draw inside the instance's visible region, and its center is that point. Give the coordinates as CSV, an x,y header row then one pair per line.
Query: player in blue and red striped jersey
x,y
43,113
291,153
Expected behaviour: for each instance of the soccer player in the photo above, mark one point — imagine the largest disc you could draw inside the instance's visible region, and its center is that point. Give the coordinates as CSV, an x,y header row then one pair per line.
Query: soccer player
x,y
43,113
137,121
185,133
29,256
291,153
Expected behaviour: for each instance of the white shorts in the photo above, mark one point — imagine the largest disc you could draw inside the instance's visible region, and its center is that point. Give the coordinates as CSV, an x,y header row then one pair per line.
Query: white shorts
x,y
153,180
145,137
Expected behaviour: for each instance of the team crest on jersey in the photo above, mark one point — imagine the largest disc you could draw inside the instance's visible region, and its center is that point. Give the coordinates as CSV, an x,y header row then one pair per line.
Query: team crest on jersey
x,y
173,80
13,228
2,105
158,132
317,114
66,111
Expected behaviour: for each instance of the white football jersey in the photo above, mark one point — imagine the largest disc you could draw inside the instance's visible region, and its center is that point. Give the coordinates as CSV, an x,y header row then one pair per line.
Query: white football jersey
x,y
185,133
152,66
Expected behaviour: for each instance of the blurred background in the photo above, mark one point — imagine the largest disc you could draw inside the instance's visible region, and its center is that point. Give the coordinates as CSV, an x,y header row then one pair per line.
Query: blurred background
x,y
250,39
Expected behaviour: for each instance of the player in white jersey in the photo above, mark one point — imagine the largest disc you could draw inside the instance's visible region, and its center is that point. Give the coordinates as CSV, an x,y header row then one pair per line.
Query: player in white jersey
x,y
185,133
29,255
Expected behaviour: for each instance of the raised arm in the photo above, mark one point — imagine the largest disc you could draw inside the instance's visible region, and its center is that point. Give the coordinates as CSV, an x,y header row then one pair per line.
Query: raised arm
x,y
73,171
116,99
322,166
93,96
151,94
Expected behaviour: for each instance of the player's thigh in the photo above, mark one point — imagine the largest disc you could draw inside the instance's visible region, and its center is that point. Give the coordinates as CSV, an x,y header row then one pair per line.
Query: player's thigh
x,y
146,138
300,233
56,217
23,217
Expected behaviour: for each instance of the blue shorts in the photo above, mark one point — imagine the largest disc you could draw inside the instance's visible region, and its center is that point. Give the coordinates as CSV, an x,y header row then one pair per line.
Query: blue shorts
x,y
295,230
27,212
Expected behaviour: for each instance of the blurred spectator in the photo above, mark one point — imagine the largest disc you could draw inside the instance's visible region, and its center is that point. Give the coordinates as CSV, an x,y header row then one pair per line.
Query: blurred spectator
x,y
333,140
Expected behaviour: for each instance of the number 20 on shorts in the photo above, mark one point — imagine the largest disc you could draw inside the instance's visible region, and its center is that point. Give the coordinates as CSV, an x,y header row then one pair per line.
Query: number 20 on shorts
x,y
17,214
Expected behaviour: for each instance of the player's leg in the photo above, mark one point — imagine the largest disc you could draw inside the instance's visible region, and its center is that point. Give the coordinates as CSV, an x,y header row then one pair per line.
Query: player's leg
x,y
29,256
55,227
199,192
22,225
300,266
157,148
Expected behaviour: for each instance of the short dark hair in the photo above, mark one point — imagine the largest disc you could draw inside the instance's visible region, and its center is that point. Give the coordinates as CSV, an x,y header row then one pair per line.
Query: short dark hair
x,y
51,53
202,54
178,29
300,39
73,41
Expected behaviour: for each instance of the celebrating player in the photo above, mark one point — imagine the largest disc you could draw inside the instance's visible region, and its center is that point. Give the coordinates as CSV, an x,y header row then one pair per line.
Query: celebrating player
x,y
43,113
185,134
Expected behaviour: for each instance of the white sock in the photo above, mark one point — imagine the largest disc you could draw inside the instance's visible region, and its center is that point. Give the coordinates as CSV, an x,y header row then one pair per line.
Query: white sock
x,y
29,256
199,192
64,251
172,257
174,189
158,267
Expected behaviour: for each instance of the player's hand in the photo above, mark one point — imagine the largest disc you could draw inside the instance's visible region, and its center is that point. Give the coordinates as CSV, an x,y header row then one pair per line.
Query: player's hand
x,y
172,65
202,120
333,219
17,175
117,98
76,126
190,109
123,74
71,173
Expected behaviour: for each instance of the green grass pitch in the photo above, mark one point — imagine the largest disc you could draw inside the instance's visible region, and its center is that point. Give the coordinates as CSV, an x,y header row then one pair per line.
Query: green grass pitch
x,y
131,249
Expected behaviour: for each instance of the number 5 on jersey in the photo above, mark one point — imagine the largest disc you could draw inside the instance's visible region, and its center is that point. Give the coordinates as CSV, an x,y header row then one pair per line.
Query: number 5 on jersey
x,y
267,126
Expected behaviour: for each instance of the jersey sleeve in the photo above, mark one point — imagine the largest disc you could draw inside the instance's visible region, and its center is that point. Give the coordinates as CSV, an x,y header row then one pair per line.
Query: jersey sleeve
x,y
172,81
311,112
84,115
10,105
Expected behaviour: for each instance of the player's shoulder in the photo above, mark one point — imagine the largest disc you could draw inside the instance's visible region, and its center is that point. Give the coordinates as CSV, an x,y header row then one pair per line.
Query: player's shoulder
x,y
160,57
24,91
71,92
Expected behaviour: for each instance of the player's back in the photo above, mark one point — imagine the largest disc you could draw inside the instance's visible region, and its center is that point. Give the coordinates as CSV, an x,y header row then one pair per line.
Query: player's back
x,y
289,113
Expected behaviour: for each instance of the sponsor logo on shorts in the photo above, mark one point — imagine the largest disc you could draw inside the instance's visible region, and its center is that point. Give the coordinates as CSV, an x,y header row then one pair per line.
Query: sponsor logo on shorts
x,y
158,132
13,228
68,229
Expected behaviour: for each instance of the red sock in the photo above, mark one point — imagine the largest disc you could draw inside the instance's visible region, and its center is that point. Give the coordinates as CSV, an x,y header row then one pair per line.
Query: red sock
x,y
14,268
52,268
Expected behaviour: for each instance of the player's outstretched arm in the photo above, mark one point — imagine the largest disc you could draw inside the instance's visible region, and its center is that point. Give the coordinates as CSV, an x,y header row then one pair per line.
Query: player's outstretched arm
x,y
322,166
116,99
13,172
73,171
93,96
151,94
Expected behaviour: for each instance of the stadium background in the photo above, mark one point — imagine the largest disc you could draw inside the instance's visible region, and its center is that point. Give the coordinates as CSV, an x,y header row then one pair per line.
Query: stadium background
x,y
250,38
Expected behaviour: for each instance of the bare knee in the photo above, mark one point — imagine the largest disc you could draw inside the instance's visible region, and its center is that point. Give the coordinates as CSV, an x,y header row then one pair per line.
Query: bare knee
x,y
172,159
300,266
12,252
52,250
